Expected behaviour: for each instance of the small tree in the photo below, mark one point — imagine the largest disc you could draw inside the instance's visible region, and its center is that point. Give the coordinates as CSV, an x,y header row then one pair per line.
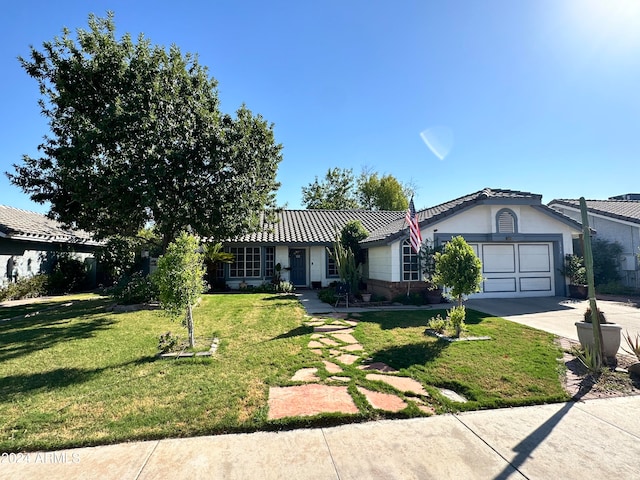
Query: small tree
x,y
180,279
458,268
351,235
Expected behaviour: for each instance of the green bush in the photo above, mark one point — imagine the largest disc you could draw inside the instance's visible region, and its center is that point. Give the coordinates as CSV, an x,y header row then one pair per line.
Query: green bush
x,y
414,298
328,295
30,287
456,318
437,324
134,289
269,287
68,274
167,342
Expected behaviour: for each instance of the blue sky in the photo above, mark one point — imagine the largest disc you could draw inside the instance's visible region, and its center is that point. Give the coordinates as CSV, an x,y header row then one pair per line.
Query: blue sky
x,y
454,96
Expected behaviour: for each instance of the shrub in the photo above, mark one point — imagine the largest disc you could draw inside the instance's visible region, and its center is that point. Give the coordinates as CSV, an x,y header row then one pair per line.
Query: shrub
x,y
587,316
134,289
28,287
167,342
456,318
438,324
634,345
68,274
414,298
328,295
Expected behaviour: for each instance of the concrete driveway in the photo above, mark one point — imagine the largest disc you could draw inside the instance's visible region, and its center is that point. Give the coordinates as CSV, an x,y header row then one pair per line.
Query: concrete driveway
x,y
557,315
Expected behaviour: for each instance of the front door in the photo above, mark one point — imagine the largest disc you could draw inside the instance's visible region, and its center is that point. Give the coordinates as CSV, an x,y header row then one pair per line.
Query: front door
x,y
298,265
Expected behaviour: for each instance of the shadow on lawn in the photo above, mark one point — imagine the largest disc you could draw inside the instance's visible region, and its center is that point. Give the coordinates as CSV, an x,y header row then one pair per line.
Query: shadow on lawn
x,y
26,335
296,332
405,356
14,385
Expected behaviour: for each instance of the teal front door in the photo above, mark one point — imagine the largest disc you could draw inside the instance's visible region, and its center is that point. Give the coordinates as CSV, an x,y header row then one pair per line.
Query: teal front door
x,y
298,265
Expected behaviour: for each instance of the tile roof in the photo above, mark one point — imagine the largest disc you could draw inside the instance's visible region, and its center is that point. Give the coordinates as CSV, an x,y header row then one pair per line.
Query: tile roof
x,y
316,226
25,225
627,210
434,214
320,226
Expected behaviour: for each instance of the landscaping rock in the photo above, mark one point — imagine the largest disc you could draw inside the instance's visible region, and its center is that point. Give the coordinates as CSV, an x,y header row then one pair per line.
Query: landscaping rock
x,y
309,400
345,337
378,366
306,375
383,401
453,396
331,367
404,384
347,359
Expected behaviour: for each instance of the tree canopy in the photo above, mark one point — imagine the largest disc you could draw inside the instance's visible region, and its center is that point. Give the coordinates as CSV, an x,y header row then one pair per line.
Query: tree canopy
x,y
458,268
335,192
137,137
340,190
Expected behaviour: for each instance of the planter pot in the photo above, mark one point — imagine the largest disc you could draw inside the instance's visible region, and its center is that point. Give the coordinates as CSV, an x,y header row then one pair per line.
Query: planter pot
x,y
610,336
366,297
578,291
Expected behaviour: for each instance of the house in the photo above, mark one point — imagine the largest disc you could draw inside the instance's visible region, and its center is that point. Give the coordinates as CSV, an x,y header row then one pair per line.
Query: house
x,y
521,242
29,240
616,220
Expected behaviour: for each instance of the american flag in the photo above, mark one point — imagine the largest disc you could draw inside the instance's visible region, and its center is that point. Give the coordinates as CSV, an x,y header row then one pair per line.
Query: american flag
x,y
414,229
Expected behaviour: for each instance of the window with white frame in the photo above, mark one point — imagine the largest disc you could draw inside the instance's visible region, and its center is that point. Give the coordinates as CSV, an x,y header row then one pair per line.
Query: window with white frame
x,y
246,263
410,270
269,261
332,267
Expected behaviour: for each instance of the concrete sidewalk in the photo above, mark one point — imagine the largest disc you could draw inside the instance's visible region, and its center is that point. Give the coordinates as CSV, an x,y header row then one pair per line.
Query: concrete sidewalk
x,y
567,440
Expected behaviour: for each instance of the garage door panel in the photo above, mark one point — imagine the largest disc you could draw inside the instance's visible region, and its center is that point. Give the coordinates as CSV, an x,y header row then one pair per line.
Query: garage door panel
x,y
516,269
534,258
498,259
535,284
493,285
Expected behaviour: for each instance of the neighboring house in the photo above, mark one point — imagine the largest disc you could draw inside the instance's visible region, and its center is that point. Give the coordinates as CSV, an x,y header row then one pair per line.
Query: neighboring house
x,y
520,241
615,220
28,242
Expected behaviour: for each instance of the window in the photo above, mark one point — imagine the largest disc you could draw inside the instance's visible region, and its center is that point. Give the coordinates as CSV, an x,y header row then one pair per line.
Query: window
x,y
269,261
246,263
506,221
332,268
410,270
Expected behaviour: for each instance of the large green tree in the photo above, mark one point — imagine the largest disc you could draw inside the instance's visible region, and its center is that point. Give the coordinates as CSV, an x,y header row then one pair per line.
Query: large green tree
x,y
334,192
137,137
340,190
382,193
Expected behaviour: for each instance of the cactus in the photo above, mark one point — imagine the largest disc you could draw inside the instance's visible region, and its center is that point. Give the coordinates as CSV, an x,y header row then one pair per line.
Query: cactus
x,y
588,263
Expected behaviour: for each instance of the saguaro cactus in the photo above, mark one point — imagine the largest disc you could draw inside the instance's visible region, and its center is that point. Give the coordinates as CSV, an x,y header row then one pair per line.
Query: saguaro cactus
x,y
588,263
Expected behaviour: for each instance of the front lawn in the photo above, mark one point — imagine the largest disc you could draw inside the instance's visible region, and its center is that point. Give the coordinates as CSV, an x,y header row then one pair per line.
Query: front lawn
x,y
79,375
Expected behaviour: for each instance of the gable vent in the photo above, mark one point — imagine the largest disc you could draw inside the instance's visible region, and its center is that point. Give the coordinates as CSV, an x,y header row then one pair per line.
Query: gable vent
x,y
506,223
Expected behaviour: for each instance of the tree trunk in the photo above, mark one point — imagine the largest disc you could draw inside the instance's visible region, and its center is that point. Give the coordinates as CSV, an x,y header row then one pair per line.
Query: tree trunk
x,y
192,339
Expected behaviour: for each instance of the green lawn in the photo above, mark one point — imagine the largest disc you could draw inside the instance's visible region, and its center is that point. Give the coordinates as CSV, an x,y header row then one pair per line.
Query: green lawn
x,y
79,375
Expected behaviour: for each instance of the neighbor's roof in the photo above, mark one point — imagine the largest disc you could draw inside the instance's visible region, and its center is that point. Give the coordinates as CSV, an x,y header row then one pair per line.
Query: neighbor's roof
x,y
35,227
435,214
316,226
627,210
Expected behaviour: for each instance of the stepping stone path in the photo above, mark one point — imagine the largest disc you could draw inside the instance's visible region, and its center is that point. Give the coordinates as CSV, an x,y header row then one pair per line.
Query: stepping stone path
x,y
333,340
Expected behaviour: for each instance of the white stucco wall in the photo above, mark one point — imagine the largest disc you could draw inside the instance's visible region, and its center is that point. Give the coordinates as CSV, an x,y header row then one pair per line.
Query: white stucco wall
x,y
28,264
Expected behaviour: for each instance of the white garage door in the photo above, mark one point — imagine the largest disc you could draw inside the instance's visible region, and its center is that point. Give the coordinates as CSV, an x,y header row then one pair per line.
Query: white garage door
x,y
516,269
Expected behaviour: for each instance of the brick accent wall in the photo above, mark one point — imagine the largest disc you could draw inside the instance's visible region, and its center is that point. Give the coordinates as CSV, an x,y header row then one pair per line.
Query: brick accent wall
x,y
390,290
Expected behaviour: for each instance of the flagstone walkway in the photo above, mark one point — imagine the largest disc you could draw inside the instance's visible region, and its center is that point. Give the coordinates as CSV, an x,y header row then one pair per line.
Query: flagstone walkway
x,y
333,340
